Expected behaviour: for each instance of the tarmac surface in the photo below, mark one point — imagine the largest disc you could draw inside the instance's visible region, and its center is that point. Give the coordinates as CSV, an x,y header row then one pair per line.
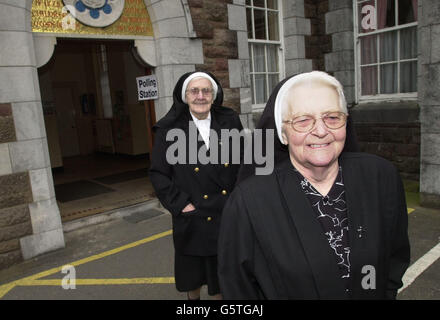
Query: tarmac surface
x,y
132,257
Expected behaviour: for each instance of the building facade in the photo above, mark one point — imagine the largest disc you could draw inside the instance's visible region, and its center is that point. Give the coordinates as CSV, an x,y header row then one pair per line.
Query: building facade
x,y
384,52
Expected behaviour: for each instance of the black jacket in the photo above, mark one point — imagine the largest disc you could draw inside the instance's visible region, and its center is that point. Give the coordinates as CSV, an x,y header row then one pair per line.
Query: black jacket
x,y
207,186
272,246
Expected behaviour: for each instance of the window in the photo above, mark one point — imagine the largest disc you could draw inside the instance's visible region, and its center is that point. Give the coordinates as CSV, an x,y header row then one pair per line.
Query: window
x,y
386,45
263,25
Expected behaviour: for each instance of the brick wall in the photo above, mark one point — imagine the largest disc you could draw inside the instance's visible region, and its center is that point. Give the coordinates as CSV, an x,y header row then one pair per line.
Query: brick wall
x,y
15,195
399,143
210,20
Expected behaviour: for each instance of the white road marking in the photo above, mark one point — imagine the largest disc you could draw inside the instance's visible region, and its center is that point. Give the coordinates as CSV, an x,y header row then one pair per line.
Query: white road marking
x,y
419,266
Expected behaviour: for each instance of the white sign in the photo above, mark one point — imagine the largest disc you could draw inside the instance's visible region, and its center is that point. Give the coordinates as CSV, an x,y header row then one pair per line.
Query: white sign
x,y
147,88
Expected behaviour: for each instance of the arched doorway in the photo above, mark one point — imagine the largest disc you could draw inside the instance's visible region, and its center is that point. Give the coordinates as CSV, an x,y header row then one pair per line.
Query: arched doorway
x,y
95,122
97,131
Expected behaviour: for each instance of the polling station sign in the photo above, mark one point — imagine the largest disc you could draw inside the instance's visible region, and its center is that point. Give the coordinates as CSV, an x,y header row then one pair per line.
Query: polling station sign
x,y
147,88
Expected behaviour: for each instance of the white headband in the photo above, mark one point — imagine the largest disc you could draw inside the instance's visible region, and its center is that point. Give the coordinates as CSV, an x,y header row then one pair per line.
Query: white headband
x,y
278,106
284,90
199,75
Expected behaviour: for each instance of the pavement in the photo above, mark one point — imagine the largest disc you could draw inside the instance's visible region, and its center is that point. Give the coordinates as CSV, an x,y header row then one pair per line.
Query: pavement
x,y
129,254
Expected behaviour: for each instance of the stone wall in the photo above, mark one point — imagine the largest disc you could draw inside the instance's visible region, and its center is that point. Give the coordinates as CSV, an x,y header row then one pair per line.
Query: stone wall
x,y
399,143
318,43
392,131
211,24
340,61
429,99
15,195
30,222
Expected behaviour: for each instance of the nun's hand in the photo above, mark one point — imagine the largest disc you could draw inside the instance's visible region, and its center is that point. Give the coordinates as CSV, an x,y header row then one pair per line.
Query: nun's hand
x,y
189,207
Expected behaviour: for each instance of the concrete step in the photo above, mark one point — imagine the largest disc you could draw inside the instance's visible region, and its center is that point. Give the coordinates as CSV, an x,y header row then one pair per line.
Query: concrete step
x,y
112,215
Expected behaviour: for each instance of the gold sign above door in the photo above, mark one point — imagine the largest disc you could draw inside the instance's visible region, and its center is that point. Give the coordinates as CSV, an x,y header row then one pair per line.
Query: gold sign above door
x,y
91,17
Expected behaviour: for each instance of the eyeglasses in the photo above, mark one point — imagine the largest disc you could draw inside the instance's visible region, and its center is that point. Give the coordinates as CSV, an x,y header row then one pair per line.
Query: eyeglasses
x,y
305,123
196,91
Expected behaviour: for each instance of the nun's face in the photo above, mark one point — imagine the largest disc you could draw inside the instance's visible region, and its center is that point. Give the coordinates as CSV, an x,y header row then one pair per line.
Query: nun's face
x,y
199,97
320,146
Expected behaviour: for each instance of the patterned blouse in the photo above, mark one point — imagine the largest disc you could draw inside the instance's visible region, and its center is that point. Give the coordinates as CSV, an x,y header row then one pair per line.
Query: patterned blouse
x,y
331,212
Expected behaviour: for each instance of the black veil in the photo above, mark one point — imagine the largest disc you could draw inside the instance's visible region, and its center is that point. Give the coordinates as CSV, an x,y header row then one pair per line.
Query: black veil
x,y
267,121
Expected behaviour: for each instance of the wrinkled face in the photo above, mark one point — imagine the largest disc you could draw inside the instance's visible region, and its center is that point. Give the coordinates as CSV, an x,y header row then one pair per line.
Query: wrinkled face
x,y
199,103
321,146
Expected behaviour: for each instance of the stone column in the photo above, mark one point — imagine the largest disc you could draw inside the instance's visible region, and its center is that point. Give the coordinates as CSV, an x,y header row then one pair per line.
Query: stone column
x,y
429,100
239,68
176,49
340,62
30,222
296,28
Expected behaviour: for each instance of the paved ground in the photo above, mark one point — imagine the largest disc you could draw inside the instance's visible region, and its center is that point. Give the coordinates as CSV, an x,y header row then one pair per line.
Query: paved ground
x,y
133,259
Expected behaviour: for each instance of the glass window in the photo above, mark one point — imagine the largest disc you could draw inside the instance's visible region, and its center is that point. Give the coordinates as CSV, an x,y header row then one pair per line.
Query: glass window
x,y
387,47
263,19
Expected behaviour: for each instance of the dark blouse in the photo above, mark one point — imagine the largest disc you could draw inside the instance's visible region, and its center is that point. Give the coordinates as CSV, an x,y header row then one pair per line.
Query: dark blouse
x,y
331,211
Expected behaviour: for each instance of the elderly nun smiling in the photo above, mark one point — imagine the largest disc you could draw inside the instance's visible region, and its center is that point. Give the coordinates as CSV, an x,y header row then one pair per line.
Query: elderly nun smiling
x,y
311,228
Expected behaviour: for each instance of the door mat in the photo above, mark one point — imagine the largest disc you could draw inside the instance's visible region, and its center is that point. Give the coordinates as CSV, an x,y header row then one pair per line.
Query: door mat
x,y
124,176
79,190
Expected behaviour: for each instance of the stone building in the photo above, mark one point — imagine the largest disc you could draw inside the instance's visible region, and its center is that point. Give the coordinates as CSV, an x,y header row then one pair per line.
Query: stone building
x,y
385,53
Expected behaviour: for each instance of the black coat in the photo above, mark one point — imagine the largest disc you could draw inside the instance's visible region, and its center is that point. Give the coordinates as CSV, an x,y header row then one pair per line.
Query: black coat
x,y
207,186
272,246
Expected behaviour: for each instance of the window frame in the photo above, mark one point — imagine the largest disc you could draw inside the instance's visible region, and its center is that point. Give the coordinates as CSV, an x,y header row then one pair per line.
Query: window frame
x,y
257,107
392,97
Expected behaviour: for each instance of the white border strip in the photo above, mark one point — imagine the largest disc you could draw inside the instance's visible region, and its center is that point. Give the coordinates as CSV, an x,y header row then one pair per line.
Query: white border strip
x,y
420,266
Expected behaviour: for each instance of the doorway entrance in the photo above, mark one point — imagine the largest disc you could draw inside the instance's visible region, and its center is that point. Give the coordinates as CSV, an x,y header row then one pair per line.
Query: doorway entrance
x,y
98,133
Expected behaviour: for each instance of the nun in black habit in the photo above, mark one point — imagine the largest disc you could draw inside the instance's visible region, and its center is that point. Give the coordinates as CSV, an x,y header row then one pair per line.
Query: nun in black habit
x,y
194,193
290,235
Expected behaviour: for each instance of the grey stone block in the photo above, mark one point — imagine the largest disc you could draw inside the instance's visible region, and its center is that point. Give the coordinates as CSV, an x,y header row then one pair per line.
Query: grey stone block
x,y
294,47
172,27
430,149
424,45
246,100
343,41
25,4
14,18
18,84
165,9
429,82
29,120
429,178
27,155
296,26
237,17
429,11
238,73
42,184
339,61
45,216
179,51
293,8
5,160
295,66
339,21
346,78
243,46
37,244
435,43
430,119
339,4
16,49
